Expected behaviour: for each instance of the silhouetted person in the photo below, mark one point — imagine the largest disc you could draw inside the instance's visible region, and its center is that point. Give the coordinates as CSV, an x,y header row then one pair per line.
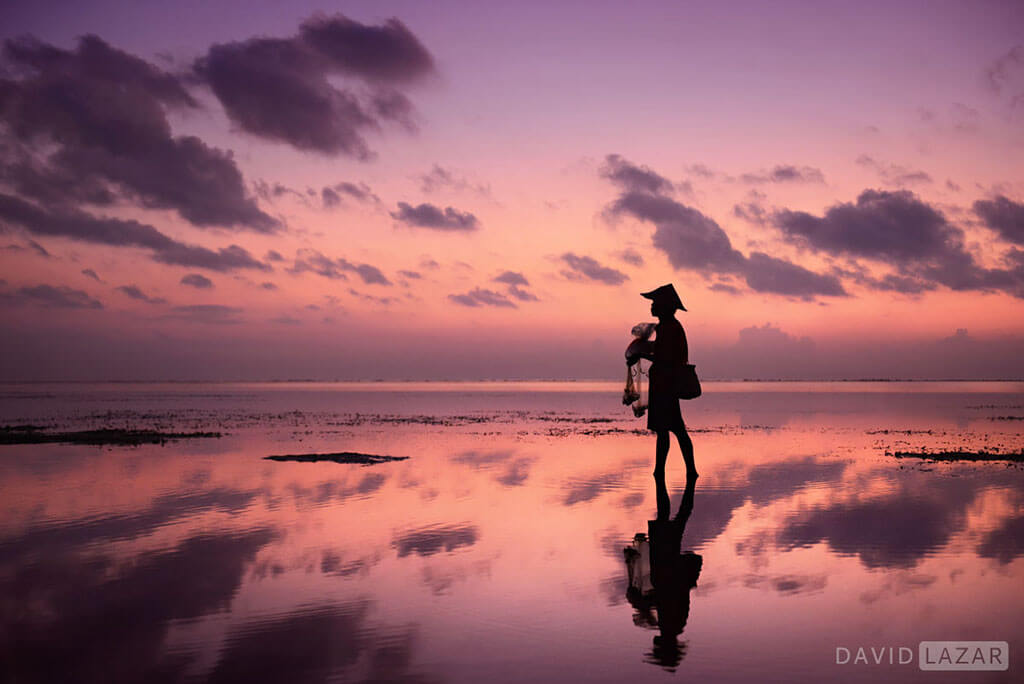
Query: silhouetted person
x,y
660,577
668,353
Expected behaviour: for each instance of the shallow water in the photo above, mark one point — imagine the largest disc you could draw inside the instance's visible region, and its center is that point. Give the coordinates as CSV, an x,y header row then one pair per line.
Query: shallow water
x,y
495,552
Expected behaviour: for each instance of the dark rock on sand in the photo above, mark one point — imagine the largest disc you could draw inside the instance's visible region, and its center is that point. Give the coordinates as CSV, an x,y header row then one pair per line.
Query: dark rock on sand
x,y
340,457
32,434
1012,456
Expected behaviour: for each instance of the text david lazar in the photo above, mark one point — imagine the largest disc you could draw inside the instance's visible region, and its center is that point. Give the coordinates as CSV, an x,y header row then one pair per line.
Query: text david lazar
x,y
932,655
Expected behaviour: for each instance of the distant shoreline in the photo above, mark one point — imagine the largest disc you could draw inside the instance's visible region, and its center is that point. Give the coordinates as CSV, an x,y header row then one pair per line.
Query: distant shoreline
x,y
310,381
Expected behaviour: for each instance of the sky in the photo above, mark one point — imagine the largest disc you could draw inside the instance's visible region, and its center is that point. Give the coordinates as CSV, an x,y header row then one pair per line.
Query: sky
x,y
461,190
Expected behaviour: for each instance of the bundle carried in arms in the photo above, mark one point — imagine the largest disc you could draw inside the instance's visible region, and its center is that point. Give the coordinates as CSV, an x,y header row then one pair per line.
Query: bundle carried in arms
x,y
635,371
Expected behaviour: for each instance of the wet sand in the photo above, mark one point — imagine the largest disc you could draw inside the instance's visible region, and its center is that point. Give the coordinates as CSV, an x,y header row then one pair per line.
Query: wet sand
x,y
495,551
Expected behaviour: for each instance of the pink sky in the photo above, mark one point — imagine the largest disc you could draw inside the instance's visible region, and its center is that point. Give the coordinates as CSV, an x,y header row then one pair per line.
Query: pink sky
x,y
860,162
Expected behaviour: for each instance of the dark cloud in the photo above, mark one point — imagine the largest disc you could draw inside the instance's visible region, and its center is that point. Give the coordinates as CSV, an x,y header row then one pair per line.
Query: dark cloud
x,y
197,281
383,301
331,196
100,114
690,239
134,292
286,89
77,225
522,294
440,178
766,273
427,541
785,173
268,286
273,255
693,241
429,216
55,296
895,174
894,226
633,178
482,297
89,273
1004,216
588,268
631,257
512,278
898,229
750,211
516,284
269,192
700,170
38,249
429,264
412,275
313,261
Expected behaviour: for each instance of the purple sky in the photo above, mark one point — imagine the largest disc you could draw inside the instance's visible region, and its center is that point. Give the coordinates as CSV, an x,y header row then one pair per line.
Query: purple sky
x,y
480,190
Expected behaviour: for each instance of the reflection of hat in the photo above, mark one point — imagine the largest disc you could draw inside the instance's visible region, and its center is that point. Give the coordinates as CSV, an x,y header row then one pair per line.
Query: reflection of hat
x,y
666,294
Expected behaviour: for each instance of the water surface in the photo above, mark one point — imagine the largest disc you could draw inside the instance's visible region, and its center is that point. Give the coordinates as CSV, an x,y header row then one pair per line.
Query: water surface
x,y
495,552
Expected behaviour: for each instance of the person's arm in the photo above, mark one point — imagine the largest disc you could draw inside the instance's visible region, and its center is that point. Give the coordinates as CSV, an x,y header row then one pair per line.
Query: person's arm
x,y
686,348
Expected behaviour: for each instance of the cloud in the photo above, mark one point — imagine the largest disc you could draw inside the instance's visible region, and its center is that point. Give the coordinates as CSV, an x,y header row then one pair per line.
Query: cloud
x,y
287,89
894,174
633,178
440,178
588,268
78,225
99,114
482,297
766,273
631,257
785,173
313,261
751,212
1004,216
898,229
690,239
695,242
383,301
89,273
135,293
197,281
512,278
55,296
331,195
516,284
412,275
522,294
430,216
268,286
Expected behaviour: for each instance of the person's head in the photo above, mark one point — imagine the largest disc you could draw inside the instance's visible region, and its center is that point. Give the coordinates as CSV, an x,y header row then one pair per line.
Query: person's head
x,y
662,310
664,301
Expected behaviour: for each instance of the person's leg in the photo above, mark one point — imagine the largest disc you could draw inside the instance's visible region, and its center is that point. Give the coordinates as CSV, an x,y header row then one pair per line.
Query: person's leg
x,y
661,453
686,446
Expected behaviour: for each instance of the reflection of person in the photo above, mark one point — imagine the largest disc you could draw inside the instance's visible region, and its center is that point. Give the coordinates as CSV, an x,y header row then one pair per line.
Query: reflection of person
x,y
660,577
668,354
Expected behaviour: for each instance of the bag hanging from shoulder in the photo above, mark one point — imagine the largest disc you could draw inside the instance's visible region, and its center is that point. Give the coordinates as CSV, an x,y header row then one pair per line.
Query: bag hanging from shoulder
x,y
686,383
